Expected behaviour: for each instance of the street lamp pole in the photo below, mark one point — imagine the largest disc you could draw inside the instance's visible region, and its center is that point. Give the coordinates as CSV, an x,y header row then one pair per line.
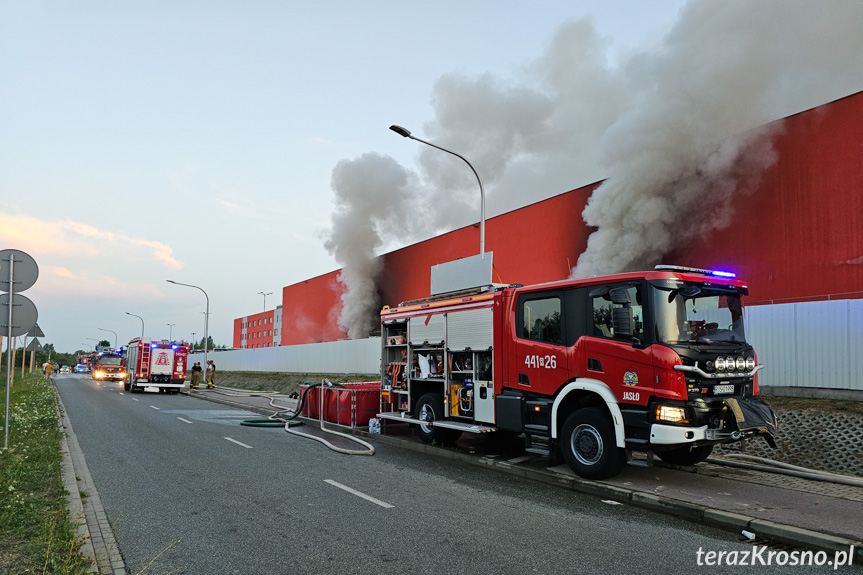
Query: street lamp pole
x,y
406,133
265,299
142,324
171,331
194,343
115,335
207,316
88,345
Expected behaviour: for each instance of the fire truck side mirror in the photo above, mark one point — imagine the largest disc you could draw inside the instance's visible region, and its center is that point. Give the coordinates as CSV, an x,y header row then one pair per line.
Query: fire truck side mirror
x,y
620,296
622,321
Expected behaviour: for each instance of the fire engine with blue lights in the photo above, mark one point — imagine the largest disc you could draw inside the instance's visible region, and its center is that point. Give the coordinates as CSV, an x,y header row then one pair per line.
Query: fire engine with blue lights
x,y
107,364
159,364
600,370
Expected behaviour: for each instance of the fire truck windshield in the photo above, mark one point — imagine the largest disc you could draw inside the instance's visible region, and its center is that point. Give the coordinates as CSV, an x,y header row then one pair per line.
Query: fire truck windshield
x,y
110,360
696,314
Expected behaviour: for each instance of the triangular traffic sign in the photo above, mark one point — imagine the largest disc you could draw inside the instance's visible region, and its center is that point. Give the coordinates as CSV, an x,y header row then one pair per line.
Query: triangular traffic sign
x,y
36,332
34,346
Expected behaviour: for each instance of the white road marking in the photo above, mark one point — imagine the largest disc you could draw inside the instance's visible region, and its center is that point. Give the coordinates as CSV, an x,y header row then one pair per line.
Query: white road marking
x,y
156,408
383,504
135,399
186,420
520,459
121,393
238,443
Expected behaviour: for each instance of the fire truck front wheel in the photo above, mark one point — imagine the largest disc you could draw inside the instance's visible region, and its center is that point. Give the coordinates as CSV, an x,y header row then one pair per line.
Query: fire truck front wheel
x,y
430,409
588,444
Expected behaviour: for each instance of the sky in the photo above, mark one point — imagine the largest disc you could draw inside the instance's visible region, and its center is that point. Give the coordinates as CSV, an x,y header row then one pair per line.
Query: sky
x,y
199,141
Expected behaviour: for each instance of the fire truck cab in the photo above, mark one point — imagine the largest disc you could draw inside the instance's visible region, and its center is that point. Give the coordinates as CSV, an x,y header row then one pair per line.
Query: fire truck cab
x,y
598,368
160,364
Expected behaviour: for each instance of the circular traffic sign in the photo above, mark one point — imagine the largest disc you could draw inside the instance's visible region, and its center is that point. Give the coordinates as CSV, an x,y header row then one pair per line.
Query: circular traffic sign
x,y
24,315
25,271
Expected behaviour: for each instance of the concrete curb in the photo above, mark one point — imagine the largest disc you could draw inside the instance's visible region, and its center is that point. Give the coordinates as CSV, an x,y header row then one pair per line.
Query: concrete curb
x,y
788,534
98,544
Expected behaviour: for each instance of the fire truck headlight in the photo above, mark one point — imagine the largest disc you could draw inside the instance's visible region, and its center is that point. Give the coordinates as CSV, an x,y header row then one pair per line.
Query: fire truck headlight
x,y
741,364
750,363
671,413
729,363
719,364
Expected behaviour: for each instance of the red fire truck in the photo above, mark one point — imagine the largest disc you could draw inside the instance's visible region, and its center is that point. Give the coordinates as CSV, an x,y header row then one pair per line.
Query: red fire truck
x,y
108,365
159,364
598,369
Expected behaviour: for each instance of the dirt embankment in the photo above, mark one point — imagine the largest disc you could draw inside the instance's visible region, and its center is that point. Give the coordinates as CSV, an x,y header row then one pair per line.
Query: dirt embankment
x,y
286,383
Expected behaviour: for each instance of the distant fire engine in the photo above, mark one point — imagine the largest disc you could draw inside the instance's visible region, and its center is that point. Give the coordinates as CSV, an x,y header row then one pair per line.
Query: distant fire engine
x,y
108,365
599,368
156,364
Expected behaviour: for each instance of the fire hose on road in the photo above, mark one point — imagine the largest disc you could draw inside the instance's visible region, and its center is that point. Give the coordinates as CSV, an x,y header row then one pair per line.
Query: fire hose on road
x,y
278,419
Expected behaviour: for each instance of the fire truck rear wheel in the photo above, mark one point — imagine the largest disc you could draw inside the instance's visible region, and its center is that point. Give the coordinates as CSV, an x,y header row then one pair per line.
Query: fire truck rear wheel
x,y
686,455
430,408
588,444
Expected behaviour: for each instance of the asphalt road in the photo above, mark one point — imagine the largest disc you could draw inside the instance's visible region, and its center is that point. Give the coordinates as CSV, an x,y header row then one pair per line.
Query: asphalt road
x,y
189,490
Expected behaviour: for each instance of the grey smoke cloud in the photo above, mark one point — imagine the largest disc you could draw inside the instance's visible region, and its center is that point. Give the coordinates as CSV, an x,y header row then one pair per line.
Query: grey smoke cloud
x,y
676,130
372,193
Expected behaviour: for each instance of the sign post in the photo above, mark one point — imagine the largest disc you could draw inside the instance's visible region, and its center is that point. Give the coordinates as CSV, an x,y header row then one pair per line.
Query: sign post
x,y
18,272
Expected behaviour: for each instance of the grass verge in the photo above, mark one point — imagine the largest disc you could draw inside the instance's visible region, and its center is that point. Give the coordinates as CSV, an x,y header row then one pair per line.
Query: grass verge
x,y
36,535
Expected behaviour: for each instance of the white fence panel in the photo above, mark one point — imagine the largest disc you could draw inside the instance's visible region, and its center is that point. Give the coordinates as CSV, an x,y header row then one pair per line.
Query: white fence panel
x,y
809,344
347,356
855,344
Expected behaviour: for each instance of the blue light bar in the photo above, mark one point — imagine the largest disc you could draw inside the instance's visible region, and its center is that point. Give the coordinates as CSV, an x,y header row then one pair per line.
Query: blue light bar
x,y
717,273
154,345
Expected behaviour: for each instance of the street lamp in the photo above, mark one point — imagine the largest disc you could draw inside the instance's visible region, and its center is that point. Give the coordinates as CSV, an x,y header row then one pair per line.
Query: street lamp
x,y
265,299
194,343
170,331
406,133
142,324
115,335
88,345
206,317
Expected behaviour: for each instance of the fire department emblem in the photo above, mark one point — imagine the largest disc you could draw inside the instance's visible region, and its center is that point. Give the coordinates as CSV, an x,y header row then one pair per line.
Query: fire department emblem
x,y
162,359
630,378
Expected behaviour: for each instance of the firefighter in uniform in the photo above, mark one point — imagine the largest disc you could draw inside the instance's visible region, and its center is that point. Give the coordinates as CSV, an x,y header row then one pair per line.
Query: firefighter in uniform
x,y
196,375
211,374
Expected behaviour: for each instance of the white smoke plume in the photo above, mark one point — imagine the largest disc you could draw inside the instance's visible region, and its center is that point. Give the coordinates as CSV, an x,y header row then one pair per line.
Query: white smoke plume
x,y
698,132
372,193
676,129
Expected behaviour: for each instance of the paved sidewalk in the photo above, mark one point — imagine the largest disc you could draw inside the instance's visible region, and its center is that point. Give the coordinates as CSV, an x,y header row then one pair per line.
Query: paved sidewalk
x,y
85,508
780,508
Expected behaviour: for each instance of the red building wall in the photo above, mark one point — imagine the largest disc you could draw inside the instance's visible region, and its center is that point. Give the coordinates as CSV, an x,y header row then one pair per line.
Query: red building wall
x,y
259,330
797,237
310,310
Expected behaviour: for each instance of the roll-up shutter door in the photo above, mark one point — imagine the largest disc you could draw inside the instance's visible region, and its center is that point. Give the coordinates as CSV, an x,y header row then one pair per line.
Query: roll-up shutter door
x,y
470,329
427,328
